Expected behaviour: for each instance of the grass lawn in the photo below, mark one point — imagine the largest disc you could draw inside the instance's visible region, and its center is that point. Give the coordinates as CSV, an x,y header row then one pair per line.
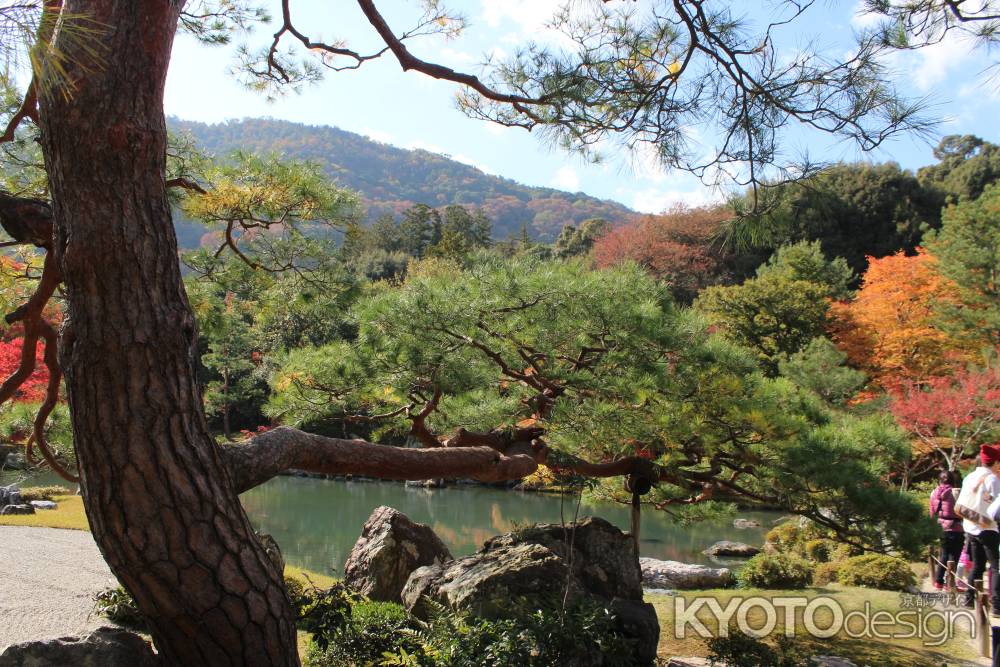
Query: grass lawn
x,y
69,514
897,652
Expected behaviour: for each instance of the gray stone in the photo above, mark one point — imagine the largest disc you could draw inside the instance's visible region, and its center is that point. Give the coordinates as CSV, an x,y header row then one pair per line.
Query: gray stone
x,y
9,495
15,461
390,548
637,620
272,550
104,647
831,661
17,509
487,582
727,549
591,559
745,523
693,662
603,558
675,575
43,504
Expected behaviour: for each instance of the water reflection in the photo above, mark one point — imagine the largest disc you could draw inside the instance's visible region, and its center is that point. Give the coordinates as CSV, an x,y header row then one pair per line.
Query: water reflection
x,y
316,522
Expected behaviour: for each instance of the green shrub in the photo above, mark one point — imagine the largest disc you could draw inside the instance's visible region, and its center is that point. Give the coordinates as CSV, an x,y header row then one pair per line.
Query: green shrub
x,y
373,629
785,537
826,573
819,550
117,605
876,571
794,538
776,571
844,551
325,612
30,493
383,634
742,650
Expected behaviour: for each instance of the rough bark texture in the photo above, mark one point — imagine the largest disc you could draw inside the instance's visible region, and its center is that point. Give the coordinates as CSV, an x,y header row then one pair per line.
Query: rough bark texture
x,y
271,453
158,498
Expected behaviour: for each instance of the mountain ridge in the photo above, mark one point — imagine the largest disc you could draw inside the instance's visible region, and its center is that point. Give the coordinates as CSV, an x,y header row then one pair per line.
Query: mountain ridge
x,y
391,179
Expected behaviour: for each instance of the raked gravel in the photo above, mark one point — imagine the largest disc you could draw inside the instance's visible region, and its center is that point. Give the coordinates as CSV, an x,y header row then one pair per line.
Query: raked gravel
x,y
48,578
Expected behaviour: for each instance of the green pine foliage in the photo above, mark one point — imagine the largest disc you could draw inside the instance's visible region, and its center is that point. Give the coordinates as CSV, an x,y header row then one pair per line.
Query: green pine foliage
x,y
968,251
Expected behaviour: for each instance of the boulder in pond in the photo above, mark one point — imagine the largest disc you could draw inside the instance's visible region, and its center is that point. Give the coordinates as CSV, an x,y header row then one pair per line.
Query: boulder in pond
x,y
674,575
15,461
16,509
104,647
390,548
745,523
487,582
727,549
593,558
603,557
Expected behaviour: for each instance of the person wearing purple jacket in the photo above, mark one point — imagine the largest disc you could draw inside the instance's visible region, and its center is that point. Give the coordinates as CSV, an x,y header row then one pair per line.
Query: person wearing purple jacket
x,y
942,508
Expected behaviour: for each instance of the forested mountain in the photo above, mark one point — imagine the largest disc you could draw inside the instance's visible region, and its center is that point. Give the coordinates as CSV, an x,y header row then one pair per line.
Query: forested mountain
x,y
393,179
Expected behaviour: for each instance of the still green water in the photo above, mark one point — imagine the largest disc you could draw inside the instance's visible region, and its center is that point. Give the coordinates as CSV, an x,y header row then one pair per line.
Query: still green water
x,y
316,521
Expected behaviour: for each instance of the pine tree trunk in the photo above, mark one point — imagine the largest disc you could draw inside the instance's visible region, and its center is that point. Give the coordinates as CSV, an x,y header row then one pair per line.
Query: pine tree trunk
x,y
160,504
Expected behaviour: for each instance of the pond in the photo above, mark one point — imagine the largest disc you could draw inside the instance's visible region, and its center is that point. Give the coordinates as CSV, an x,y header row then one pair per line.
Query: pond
x,y
317,521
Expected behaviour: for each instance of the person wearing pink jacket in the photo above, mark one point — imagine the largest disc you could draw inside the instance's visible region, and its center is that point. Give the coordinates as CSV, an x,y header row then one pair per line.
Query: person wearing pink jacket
x,y
942,508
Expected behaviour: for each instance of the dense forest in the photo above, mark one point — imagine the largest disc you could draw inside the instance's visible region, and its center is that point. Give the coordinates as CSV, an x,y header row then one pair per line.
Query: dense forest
x,y
391,179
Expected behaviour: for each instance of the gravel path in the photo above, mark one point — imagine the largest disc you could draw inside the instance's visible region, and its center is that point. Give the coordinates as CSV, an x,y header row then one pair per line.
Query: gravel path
x,y
49,578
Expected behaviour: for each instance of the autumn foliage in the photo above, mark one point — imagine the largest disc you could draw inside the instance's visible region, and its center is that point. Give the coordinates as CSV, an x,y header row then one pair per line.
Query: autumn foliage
x,y
33,389
679,247
890,330
950,415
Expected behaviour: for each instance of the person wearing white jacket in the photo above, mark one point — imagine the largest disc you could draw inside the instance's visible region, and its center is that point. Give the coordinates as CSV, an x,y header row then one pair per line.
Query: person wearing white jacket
x,y
978,505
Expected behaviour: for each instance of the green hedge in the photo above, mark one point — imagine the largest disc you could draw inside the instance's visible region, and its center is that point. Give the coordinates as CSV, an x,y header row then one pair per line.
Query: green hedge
x,y
776,571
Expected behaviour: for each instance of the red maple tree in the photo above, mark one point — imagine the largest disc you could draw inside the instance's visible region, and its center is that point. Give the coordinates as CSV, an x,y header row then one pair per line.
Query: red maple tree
x,y
33,389
950,416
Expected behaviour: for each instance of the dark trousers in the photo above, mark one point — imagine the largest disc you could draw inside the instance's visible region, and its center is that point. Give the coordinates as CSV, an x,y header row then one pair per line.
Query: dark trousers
x,y
952,543
985,548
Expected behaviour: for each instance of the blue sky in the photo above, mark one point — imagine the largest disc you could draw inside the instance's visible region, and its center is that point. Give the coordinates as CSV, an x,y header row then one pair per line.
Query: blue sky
x,y
414,111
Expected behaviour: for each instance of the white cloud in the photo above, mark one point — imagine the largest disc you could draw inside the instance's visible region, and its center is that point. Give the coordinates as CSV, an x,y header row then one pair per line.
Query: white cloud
x,y
532,19
456,57
933,64
863,19
566,178
377,135
424,146
657,200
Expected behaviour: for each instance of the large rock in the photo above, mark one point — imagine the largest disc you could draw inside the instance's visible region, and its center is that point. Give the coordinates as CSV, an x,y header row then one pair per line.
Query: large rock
x,y
43,504
105,647
16,509
603,557
15,461
487,582
9,495
390,548
593,560
675,575
745,523
727,549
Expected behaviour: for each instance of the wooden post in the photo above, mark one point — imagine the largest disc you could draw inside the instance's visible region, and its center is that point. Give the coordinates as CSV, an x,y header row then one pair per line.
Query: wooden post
x,y
930,564
949,580
982,621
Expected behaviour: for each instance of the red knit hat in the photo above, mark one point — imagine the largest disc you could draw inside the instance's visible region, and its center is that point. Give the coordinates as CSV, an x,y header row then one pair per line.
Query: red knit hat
x,y
989,454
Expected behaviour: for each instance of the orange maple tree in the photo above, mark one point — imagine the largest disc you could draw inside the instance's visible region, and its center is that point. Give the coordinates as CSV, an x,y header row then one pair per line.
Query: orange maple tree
x,y
889,330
